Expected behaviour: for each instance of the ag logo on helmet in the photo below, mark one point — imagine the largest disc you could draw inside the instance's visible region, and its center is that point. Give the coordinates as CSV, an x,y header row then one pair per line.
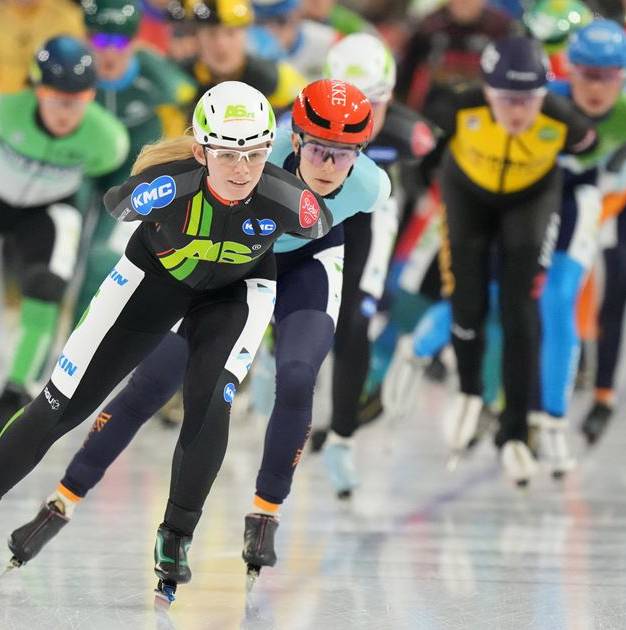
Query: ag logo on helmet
x,y
160,192
235,113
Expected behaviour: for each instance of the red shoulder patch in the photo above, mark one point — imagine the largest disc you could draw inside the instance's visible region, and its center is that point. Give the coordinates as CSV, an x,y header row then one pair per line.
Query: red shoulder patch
x,y
422,139
309,212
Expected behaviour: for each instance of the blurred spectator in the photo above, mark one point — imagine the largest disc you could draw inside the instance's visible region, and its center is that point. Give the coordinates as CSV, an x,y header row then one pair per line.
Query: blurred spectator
x,y
221,31
305,42
552,22
147,92
445,50
341,18
25,25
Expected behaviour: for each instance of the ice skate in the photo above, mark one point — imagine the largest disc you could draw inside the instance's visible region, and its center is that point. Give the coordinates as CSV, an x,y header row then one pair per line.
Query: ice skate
x,y
318,439
339,461
518,462
596,422
29,539
402,378
258,545
460,425
554,446
12,399
170,564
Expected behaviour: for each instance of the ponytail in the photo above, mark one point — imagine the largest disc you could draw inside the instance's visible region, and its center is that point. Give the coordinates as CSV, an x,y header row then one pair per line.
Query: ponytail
x,y
163,151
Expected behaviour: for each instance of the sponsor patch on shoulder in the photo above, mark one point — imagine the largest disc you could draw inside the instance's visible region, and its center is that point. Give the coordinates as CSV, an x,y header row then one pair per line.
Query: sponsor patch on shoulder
x,y
422,139
160,192
309,212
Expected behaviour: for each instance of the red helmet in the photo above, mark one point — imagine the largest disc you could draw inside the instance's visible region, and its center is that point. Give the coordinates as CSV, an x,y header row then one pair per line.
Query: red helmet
x,y
333,110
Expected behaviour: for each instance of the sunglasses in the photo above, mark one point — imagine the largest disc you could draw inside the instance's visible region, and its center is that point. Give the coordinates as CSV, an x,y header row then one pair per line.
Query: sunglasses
x,y
317,154
109,40
602,75
254,157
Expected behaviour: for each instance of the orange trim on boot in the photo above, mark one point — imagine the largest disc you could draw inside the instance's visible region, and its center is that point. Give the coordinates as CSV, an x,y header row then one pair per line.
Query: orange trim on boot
x,y
262,504
587,309
68,494
605,395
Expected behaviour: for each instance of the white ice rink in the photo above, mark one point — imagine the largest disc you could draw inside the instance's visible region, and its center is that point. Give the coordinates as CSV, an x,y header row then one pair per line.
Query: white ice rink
x,y
417,548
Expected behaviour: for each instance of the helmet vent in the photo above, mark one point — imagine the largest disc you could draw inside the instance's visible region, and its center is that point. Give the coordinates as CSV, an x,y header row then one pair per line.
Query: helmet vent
x,y
357,127
315,118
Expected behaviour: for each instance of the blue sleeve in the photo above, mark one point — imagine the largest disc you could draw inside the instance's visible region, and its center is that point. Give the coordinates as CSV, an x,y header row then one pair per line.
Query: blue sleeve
x,y
560,87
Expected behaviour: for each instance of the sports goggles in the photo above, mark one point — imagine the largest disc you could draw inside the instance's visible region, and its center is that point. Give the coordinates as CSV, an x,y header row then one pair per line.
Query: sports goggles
x,y
69,99
317,154
227,157
517,97
602,75
109,40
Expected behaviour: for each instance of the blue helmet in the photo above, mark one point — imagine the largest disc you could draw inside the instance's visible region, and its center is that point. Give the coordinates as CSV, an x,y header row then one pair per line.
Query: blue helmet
x,y
271,9
65,64
514,63
602,44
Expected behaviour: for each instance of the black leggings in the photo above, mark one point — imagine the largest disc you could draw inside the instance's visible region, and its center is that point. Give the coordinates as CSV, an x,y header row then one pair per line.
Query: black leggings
x,y
352,346
517,226
126,320
611,316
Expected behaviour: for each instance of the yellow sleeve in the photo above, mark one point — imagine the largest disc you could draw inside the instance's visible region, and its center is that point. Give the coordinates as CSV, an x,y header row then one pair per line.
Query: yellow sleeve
x,y
173,120
290,82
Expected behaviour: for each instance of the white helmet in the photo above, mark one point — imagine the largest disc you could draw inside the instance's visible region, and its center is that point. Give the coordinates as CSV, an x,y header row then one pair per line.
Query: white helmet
x,y
364,61
233,115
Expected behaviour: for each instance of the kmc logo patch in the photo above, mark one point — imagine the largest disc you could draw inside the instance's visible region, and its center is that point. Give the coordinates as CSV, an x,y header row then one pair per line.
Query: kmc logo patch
x,y
267,227
159,193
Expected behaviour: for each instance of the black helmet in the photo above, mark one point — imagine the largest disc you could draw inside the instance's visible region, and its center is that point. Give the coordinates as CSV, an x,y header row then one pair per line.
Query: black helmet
x,y
514,63
65,64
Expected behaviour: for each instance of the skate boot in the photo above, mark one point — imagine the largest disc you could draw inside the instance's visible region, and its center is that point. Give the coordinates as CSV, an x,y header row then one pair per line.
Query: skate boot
x,y
460,425
12,399
29,539
402,378
318,439
518,462
170,564
436,371
596,422
339,460
258,544
171,414
554,447
370,406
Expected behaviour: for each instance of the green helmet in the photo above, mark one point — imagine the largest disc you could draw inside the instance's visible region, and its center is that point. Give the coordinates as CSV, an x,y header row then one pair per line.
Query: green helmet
x,y
372,71
120,17
553,21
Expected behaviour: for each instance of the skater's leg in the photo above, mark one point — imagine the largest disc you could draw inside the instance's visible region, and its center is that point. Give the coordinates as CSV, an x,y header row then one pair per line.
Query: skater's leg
x,y
47,241
363,274
526,234
150,386
116,334
217,365
307,307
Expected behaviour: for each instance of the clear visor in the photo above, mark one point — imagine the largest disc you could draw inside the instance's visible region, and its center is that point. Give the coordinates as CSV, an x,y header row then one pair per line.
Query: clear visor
x,y
517,96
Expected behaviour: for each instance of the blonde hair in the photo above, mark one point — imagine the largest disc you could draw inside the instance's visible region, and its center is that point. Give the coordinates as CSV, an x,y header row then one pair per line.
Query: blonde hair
x,y
163,151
